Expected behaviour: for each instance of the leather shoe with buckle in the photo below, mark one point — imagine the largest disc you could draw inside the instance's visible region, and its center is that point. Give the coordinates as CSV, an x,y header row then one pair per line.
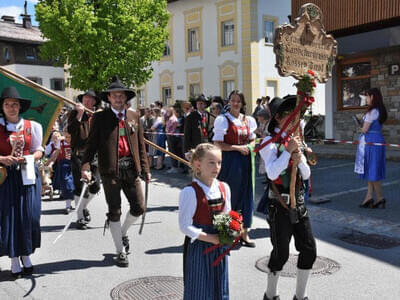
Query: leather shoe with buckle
x,y
122,260
81,224
295,298
273,298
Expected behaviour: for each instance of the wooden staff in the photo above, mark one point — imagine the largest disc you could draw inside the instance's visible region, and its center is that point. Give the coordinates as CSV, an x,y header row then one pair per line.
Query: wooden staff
x,y
64,99
293,175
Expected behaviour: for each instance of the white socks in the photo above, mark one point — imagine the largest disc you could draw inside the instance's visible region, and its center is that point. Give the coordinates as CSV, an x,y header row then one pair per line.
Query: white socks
x,y
272,285
26,261
68,203
116,233
83,205
15,266
302,278
129,221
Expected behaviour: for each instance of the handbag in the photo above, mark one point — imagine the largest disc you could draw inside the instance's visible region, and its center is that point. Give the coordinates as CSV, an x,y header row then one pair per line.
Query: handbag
x,y
3,174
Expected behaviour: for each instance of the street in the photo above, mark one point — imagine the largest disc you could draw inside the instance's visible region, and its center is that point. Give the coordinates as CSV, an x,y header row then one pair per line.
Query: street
x,y
358,249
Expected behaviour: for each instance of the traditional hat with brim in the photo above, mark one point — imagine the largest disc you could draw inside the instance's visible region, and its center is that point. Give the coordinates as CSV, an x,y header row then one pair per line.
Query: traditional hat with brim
x,y
201,98
117,86
278,105
89,93
12,92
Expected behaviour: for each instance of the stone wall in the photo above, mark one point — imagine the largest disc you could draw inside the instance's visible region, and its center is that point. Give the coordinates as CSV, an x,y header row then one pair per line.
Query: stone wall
x,y
389,85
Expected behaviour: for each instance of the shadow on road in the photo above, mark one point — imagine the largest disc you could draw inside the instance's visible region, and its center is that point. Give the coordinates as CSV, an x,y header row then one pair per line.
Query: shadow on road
x,y
172,249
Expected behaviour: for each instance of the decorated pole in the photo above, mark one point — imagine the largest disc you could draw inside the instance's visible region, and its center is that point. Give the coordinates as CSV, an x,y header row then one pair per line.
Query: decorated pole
x,y
306,52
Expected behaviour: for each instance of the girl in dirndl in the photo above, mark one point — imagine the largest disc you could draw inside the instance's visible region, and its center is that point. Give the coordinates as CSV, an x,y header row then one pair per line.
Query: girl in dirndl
x,y
20,193
233,132
371,159
198,202
63,180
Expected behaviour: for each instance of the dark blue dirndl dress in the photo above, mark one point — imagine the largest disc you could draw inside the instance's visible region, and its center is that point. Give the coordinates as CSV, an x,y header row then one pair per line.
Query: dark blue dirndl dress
x,y
201,279
20,207
63,179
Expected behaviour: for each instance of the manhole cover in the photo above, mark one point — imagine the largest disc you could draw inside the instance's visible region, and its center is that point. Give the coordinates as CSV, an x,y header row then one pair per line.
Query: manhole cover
x,y
370,240
322,266
150,288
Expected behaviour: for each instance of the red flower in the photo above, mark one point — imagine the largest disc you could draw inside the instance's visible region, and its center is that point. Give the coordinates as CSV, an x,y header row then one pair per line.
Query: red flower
x,y
311,73
236,216
235,225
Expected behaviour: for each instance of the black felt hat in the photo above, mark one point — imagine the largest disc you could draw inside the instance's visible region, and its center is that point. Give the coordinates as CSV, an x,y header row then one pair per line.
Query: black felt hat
x,y
117,86
89,93
278,105
12,92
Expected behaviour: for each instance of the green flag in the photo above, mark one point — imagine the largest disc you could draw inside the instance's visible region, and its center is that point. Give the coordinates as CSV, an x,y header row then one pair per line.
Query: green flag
x,y
45,107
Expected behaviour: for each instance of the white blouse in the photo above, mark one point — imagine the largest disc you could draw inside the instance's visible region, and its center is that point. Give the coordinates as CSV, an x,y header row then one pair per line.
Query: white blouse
x,y
371,116
37,132
274,166
221,126
188,205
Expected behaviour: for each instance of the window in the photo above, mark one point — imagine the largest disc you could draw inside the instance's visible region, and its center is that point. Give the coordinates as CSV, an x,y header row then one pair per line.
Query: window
x,y
140,97
167,49
228,32
269,28
229,86
271,88
30,53
354,80
193,40
6,54
38,80
57,84
166,95
194,89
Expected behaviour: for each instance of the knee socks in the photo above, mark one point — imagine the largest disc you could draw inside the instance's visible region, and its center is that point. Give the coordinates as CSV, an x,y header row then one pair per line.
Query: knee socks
x,y
301,284
26,261
15,266
116,233
272,285
129,221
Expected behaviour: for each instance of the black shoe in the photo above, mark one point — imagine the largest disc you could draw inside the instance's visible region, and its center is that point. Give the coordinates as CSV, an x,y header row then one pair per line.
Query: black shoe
x,y
122,260
86,215
379,203
274,298
67,210
125,242
26,270
247,244
81,224
295,298
16,275
367,204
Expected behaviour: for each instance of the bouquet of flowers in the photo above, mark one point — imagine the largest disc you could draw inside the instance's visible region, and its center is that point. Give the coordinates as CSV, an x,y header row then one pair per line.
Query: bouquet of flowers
x,y
228,226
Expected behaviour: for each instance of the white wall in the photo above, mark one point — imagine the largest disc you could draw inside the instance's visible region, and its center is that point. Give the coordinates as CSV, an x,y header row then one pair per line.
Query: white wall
x,y
44,72
280,9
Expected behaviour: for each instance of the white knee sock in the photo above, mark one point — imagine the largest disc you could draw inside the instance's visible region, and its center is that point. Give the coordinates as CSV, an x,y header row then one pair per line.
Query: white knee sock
x,y
129,221
116,233
302,278
26,261
79,209
15,266
272,285
67,203
85,201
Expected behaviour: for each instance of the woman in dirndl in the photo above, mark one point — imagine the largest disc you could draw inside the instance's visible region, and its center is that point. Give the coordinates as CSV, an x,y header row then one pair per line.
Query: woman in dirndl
x,y
371,159
233,132
20,193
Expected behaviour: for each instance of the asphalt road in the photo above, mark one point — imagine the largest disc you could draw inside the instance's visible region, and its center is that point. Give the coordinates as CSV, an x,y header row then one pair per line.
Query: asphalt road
x,y
363,245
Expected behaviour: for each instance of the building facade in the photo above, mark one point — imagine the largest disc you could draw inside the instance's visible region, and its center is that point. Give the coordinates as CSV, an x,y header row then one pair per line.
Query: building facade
x,y
19,52
368,36
216,46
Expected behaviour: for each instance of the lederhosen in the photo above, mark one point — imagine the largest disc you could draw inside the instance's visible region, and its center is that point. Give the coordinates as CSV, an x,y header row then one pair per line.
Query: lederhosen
x,y
281,226
63,178
20,205
201,279
78,144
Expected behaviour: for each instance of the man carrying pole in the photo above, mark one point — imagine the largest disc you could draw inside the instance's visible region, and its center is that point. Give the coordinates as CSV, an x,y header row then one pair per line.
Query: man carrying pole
x,y
79,121
116,135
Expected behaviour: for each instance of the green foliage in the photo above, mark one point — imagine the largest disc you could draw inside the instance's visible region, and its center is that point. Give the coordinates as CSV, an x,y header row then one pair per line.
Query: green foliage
x,y
102,38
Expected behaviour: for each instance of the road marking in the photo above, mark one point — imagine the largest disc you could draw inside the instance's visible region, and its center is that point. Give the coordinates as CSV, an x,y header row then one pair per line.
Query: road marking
x,y
333,166
332,195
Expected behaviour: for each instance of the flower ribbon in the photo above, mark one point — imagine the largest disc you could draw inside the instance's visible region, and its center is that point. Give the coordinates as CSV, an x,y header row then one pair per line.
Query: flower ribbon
x,y
219,258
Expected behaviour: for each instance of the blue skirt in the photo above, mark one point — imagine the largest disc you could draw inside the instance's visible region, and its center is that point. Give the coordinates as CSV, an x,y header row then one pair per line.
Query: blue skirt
x,y
236,172
201,279
20,208
374,158
63,179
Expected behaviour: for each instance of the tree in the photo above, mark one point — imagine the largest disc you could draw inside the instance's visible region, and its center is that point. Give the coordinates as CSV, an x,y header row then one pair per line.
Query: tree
x,y
101,38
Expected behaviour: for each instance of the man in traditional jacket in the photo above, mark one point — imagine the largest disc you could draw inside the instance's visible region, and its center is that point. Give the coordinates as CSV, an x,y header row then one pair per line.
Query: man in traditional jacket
x,y
116,135
78,127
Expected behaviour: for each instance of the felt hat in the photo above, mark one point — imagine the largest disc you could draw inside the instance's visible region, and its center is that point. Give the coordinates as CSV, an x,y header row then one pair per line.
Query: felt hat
x,y
12,92
117,86
279,105
89,93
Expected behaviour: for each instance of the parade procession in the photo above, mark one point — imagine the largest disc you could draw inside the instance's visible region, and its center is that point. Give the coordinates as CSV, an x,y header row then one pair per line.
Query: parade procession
x,y
173,149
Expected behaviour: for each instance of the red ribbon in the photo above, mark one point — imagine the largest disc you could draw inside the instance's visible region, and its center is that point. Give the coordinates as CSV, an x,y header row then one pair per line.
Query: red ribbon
x,y
219,258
